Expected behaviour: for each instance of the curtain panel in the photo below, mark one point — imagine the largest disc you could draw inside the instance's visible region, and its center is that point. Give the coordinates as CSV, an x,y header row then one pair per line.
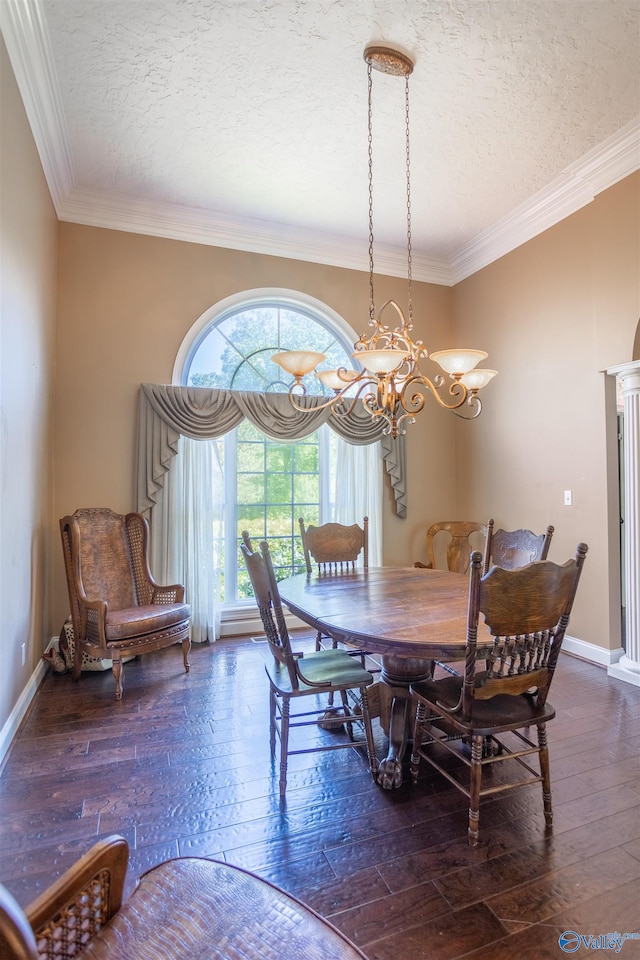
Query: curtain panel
x,y
167,412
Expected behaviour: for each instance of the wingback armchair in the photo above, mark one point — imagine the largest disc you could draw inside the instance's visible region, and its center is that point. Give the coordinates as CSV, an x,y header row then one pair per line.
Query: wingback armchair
x,y
117,608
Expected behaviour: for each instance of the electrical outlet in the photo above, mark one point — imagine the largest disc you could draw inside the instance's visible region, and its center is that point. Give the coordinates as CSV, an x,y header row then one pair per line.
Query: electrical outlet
x,y
568,498
23,649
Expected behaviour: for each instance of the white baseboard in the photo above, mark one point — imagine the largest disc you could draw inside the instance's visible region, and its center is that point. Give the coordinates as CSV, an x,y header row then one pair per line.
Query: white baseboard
x,y
244,623
589,651
16,716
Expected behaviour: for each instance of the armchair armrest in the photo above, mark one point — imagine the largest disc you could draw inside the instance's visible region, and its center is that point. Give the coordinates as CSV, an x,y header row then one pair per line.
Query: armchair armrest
x,y
174,593
82,900
93,617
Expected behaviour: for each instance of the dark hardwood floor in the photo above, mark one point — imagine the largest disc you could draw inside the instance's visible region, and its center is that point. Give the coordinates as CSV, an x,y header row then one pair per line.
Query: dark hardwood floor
x,y
181,767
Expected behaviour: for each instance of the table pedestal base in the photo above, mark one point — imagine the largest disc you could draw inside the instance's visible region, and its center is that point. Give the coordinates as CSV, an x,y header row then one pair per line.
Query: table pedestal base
x,y
397,713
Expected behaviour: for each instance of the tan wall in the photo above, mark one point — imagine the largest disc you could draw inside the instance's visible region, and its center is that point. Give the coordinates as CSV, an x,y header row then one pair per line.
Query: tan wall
x,y
28,234
125,304
554,314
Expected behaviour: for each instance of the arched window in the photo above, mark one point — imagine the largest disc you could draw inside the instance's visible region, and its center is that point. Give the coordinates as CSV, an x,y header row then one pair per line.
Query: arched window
x,y
233,349
268,483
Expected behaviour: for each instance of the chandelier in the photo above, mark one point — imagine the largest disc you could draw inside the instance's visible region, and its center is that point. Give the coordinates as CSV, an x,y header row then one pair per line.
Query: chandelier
x,y
391,384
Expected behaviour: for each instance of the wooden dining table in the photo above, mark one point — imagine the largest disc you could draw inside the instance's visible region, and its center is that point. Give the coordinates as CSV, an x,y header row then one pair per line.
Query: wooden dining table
x,y
410,616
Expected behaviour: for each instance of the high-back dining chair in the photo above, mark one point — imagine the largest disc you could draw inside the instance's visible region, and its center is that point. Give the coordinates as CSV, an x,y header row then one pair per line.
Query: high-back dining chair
x,y
117,608
295,675
526,612
514,548
335,548
188,908
459,537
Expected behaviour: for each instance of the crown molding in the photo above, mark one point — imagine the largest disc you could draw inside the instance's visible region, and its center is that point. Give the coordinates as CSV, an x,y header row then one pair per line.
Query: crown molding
x,y
27,41
25,34
578,185
133,215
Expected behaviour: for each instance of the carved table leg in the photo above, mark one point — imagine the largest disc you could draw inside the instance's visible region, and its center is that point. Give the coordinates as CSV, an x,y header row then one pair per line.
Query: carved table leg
x,y
397,712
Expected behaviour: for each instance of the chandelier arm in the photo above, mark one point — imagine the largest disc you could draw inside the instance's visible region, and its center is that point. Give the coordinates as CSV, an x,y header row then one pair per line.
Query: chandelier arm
x,y
458,391
338,400
475,403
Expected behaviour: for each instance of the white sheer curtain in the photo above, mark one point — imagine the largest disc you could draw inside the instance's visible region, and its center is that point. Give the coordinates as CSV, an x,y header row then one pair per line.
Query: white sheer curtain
x,y
184,523
358,491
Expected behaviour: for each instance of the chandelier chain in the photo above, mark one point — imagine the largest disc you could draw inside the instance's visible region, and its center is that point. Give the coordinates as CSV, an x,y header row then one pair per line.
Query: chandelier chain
x,y
408,163
372,308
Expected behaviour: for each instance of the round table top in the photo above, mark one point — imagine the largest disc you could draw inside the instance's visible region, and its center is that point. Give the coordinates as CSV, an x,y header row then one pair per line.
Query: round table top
x,y
396,611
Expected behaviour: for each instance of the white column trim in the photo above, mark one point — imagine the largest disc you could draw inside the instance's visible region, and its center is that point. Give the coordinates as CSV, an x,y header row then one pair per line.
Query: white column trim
x,y
628,666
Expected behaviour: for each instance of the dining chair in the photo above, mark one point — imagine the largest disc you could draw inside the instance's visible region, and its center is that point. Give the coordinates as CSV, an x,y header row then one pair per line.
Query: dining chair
x,y
117,608
335,548
514,548
458,537
526,612
188,908
293,675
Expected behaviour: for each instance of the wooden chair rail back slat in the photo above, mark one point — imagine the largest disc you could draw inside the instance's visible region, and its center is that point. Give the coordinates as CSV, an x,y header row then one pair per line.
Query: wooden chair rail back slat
x,y
334,546
515,548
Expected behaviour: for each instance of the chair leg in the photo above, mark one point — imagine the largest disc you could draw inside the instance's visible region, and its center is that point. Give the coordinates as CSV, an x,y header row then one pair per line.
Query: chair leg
x,y
347,711
319,647
418,730
186,647
546,774
273,706
474,789
116,667
284,743
368,732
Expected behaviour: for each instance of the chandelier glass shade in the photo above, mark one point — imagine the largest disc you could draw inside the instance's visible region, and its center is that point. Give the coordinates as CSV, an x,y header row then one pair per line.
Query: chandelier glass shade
x,y
391,384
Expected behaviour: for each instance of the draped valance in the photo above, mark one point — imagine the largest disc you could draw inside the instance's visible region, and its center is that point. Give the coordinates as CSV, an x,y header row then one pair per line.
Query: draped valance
x,y
166,412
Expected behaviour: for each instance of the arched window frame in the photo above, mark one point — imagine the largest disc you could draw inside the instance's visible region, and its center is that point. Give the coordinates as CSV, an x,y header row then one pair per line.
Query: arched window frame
x,y
214,316
257,297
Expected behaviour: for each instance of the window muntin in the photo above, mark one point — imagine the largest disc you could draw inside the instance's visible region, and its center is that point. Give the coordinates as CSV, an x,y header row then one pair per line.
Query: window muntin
x,y
235,351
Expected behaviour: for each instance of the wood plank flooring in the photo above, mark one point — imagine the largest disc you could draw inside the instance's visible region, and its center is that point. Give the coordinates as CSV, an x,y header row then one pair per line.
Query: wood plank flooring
x,y
181,766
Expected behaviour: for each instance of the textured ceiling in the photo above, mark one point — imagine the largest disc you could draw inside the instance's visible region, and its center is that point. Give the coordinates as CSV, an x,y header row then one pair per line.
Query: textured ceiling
x,y
253,112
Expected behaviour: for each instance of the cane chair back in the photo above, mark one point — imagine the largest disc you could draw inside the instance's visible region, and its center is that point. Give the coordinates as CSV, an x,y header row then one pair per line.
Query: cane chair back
x,y
117,608
507,673
335,547
458,538
188,908
514,548
294,675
